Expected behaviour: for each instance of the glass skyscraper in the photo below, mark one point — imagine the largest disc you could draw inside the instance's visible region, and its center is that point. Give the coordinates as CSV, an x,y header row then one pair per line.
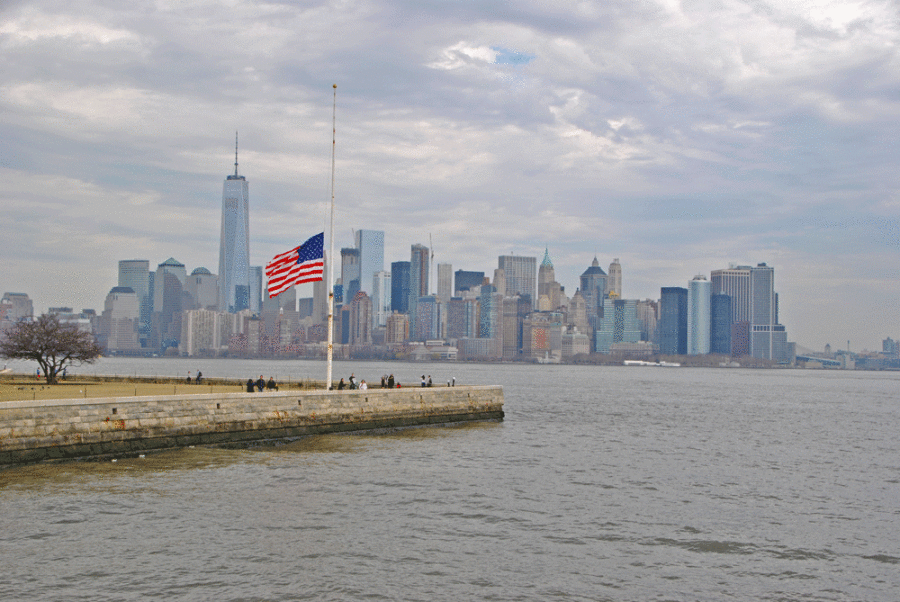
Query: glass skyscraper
x,y
234,243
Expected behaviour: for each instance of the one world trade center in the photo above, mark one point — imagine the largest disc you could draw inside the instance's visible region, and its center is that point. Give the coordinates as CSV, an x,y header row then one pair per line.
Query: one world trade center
x,y
234,243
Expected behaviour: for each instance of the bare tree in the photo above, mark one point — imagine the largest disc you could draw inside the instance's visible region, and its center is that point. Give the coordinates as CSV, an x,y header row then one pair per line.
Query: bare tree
x,y
53,345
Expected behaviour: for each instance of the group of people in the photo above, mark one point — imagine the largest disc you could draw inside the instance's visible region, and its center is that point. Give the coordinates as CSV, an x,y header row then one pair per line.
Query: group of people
x,y
197,380
387,382
261,384
352,384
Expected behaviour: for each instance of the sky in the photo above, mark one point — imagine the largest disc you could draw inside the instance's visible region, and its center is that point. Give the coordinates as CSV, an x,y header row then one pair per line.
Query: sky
x,y
678,137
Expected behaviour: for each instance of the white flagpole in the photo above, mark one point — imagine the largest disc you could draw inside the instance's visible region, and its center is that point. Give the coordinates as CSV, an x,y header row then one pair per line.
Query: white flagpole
x,y
330,258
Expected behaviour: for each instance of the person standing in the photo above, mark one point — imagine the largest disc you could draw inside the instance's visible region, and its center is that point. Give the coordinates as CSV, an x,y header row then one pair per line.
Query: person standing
x,y
391,381
260,383
250,385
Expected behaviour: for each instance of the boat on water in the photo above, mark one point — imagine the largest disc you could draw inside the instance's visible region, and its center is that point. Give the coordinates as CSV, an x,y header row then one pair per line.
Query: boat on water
x,y
645,363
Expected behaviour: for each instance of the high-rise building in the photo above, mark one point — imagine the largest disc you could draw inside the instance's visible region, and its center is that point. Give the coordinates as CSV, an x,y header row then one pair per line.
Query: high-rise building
x,y
619,324
614,280
360,326
320,295
547,285
120,321
370,244
418,284
135,274
428,319
381,298
671,330
17,306
350,274
462,318
444,282
720,324
648,314
168,290
234,243
466,280
699,316
257,292
203,288
400,286
754,302
593,289
521,276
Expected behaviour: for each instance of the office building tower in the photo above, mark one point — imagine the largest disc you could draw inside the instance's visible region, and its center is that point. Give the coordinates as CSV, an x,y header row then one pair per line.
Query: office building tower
x,y
444,282
418,284
521,276
428,319
462,318
397,330
17,306
168,285
547,285
257,292
671,329
381,298
321,289
754,302
466,280
648,315
203,287
350,274
400,286
370,244
614,279
593,289
120,321
578,313
360,322
720,324
135,274
699,316
234,243
499,282
619,324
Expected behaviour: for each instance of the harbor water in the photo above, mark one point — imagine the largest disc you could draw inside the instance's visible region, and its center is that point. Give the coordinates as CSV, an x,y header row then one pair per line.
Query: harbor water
x,y
602,483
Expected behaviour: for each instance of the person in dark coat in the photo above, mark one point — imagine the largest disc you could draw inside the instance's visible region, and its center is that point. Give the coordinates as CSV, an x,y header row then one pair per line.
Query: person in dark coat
x,y
260,383
391,381
341,385
271,384
250,385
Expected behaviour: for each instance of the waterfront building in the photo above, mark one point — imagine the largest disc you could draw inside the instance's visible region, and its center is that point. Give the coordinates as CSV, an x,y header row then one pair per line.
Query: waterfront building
x,y
520,276
619,324
511,326
234,243
547,285
575,343
720,324
257,292
699,316
400,286
672,325
578,314
370,244
428,319
542,335
206,332
17,306
320,295
120,321
168,285
135,274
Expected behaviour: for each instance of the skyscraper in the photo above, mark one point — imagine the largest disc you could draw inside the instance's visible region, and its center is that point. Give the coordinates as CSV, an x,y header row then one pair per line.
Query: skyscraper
x,y
444,282
754,310
699,316
614,281
381,298
370,244
672,326
350,274
720,324
521,276
135,274
418,284
400,286
234,242
466,280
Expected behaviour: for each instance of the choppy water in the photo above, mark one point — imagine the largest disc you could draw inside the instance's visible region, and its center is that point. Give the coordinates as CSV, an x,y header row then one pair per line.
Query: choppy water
x,y
601,484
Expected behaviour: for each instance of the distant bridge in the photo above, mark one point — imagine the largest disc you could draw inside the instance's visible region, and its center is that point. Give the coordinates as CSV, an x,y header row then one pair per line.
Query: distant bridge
x,y
822,360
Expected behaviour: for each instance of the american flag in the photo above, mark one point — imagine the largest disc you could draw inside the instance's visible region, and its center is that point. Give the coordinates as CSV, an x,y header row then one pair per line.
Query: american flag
x,y
305,263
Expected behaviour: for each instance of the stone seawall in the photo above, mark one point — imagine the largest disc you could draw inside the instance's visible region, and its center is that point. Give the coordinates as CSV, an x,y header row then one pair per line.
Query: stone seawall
x,y
82,428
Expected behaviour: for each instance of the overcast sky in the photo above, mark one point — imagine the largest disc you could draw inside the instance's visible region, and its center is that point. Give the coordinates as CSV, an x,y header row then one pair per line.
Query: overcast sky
x,y
679,137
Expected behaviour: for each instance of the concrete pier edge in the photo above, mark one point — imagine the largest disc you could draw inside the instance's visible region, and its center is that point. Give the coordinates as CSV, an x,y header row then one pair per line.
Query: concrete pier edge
x,y
71,429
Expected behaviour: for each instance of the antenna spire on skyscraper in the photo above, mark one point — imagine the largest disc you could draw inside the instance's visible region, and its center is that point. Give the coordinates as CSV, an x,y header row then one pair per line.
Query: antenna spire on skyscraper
x,y
235,154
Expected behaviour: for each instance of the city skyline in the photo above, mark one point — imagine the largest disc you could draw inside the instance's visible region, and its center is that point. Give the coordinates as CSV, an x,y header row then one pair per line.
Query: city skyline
x,y
750,133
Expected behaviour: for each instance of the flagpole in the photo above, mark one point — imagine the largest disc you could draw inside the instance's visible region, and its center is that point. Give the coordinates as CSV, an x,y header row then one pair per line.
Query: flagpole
x,y
330,258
